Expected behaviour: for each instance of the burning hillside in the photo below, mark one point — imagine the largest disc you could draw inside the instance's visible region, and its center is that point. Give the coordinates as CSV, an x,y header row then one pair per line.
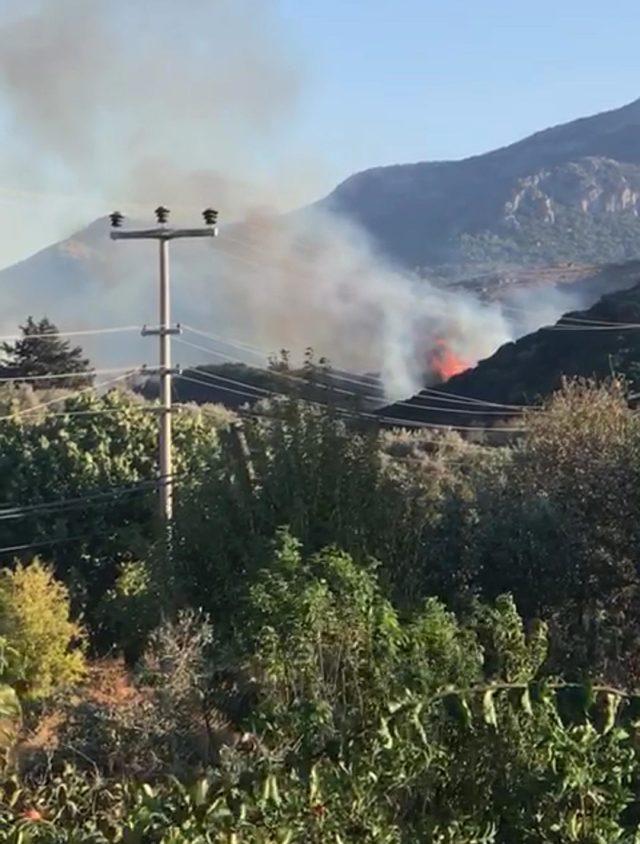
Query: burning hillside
x,y
443,361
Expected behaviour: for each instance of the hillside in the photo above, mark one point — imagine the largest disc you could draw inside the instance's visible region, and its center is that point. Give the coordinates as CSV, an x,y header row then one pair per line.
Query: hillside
x,y
593,344
570,193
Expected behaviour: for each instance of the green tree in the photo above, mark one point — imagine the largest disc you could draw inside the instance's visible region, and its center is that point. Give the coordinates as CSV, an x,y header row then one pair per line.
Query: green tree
x,y
37,355
41,641
99,454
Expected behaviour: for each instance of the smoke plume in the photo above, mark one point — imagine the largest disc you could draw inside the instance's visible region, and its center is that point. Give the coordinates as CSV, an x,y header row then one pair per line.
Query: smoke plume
x,y
131,99
313,279
189,104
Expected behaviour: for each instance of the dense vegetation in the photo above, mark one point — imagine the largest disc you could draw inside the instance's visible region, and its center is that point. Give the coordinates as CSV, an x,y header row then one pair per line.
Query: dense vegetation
x,y
573,236
351,635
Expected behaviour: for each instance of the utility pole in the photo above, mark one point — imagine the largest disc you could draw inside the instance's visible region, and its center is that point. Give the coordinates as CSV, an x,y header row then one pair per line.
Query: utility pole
x,y
163,234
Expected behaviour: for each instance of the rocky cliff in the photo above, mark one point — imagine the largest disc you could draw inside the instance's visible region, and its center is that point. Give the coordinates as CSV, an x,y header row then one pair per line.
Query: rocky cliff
x,y
569,193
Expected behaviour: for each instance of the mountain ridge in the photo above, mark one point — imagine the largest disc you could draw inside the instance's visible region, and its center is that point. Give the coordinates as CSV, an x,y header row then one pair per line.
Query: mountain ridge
x,y
419,213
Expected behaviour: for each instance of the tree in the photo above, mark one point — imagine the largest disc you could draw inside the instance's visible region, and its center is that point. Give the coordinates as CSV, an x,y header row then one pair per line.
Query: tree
x,y
40,640
35,354
106,444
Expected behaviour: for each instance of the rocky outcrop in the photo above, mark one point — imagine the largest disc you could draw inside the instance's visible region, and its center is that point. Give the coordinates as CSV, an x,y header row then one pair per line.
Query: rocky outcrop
x,y
423,214
590,186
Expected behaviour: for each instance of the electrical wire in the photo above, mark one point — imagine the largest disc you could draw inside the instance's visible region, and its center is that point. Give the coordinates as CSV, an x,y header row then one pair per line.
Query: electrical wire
x,y
273,372
226,341
242,384
212,386
331,388
48,542
476,411
565,318
64,504
52,376
20,413
52,335
107,411
407,423
366,381
441,395
264,356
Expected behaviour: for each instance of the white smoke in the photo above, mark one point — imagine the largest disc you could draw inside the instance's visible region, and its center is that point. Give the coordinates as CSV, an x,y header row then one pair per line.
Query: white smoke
x,y
188,104
313,279
131,99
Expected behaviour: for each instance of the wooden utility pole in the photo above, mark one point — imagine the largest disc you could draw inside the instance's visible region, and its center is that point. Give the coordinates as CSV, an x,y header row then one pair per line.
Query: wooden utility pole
x,y
163,234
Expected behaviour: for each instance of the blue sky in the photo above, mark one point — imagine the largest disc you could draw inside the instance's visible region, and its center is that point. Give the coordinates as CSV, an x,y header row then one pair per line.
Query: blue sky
x,y
426,79
377,82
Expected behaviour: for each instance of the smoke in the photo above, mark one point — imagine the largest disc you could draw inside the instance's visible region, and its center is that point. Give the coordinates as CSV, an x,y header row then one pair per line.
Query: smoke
x,y
314,279
189,105
113,98
528,308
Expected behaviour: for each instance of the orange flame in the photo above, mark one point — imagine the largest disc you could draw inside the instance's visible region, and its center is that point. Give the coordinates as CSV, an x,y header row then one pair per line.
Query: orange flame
x,y
444,362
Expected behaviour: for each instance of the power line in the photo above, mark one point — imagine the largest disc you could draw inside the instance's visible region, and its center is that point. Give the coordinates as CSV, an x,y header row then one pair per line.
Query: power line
x,y
567,318
62,504
238,344
410,404
476,411
232,381
235,359
74,394
50,376
47,542
365,381
441,395
407,423
569,329
277,372
272,372
212,386
51,335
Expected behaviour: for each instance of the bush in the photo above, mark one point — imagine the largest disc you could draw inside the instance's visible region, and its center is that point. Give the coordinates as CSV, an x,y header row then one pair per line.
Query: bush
x,y
43,646
131,609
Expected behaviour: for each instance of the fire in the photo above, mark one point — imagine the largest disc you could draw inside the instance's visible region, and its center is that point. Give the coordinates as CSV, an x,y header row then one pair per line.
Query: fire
x,y
444,362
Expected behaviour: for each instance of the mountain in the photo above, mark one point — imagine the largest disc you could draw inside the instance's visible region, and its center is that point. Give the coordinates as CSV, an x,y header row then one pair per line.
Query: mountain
x,y
569,193
593,343
555,216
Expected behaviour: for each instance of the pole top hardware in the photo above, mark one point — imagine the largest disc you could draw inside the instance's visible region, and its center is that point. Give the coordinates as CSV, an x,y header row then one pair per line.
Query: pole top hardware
x,y
160,331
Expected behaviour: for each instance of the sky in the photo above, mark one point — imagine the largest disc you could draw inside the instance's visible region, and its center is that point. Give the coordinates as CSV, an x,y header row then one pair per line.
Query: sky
x,y
376,82
407,80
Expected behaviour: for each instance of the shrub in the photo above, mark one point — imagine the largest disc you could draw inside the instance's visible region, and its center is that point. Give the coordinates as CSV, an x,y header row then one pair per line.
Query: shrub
x,y
131,608
43,645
